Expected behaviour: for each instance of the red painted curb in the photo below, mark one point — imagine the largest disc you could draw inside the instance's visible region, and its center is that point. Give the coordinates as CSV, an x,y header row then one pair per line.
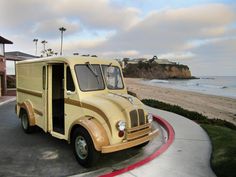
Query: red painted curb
x,y
171,136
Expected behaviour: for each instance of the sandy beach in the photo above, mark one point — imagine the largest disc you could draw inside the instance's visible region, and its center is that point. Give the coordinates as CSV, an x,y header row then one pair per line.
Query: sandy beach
x,y
209,105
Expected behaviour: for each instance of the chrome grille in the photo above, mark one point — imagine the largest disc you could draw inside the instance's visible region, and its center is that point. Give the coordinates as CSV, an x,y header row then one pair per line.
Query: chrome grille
x,y
134,118
137,117
138,132
141,117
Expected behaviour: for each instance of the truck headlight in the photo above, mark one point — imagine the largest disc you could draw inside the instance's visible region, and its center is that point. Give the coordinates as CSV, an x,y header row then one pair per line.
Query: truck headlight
x,y
121,125
149,118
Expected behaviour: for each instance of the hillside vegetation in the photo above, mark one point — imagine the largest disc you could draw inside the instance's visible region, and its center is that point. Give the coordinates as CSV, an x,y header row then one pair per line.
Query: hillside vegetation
x,y
157,71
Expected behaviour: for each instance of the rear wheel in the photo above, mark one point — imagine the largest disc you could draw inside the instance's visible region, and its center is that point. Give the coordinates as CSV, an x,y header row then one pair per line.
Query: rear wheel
x,y
84,149
25,122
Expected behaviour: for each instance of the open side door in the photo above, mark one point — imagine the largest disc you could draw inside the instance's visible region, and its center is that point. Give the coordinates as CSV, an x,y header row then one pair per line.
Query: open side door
x,y
56,110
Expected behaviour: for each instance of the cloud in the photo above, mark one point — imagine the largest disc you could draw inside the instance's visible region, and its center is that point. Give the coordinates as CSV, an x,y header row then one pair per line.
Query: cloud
x,y
221,49
41,18
215,57
83,44
171,30
197,33
23,13
50,28
177,56
99,13
23,20
122,54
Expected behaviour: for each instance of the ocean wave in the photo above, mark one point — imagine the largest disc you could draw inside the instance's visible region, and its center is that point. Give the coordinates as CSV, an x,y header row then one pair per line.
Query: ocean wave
x,y
210,78
219,85
158,81
207,86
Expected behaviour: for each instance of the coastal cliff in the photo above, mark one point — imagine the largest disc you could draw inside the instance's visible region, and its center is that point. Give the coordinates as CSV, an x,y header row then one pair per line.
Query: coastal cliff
x,y
157,71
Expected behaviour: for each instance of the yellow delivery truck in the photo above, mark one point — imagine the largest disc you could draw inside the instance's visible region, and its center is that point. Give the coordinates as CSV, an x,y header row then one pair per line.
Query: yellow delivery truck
x,y
82,100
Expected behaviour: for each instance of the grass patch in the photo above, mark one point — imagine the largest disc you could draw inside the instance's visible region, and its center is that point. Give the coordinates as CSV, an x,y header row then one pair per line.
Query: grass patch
x,y
221,133
223,159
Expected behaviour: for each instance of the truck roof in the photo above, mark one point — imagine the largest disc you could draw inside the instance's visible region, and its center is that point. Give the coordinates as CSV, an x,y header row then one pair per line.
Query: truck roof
x,y
72,60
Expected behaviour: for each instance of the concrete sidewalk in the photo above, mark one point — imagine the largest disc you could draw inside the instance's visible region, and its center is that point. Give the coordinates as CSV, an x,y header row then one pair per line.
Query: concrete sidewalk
x,y
189,155
6,99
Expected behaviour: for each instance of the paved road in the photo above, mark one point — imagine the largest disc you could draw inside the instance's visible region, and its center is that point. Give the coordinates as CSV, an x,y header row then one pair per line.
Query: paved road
x,y
39,154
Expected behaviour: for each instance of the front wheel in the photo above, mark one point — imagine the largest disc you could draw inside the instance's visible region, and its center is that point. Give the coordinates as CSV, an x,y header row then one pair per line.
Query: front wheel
x,y
83,148
142,145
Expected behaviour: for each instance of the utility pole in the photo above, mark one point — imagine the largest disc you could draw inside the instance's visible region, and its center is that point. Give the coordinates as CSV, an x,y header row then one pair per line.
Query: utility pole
x,y
35,41
62,29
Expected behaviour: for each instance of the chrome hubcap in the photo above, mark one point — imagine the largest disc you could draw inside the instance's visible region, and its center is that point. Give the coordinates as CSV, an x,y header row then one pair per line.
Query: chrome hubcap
x,y
81,147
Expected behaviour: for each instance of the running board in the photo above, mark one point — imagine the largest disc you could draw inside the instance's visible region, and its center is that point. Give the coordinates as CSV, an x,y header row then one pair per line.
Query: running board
x,y
58,135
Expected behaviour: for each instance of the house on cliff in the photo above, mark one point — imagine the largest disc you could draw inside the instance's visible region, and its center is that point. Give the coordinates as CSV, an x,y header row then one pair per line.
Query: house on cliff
x,y
164,62
156,60
136,60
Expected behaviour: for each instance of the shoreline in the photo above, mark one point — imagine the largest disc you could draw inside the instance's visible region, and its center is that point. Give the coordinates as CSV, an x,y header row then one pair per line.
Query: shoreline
x,y
212,106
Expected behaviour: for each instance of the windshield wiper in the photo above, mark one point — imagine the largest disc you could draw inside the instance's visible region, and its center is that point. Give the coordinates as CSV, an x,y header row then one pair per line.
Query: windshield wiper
x,y
91,68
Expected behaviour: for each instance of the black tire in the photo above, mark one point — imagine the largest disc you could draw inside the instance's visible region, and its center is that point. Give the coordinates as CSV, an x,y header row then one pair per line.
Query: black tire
x,y
25,122
142,145
83,148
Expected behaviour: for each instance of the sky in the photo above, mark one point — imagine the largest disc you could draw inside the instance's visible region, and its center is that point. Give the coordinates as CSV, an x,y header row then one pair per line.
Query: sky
x,y
198,33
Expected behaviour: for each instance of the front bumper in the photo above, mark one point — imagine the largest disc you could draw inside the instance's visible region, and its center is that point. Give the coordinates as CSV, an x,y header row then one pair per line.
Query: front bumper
x,y
128,144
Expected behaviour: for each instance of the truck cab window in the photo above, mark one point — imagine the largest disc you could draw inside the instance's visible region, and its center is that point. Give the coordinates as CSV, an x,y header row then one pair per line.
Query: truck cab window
x,y
44,77
89,77
112,77
69,81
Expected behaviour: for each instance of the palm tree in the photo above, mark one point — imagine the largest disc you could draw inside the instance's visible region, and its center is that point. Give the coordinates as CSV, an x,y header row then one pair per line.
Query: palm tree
x,y
153,59
62,29
36,41
44,43
44,48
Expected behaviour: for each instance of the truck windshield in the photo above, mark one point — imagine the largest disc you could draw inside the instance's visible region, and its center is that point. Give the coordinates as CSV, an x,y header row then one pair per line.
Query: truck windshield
x,y
89,77
112,77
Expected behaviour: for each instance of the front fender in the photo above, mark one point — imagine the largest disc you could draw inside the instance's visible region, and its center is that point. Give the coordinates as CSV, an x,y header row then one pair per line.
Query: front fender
x,y
95,130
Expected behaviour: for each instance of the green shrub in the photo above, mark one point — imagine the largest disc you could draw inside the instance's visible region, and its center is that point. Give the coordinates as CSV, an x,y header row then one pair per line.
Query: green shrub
x,y
195,116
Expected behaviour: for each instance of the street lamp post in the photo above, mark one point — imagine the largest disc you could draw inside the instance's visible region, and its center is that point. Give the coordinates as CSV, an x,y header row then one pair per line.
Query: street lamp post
x,y
35,41
62,29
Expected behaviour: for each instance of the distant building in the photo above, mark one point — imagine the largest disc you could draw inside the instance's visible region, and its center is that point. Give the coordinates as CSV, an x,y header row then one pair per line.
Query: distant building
x,y
3,81
158,61
11,58
18,56
164,62
136,60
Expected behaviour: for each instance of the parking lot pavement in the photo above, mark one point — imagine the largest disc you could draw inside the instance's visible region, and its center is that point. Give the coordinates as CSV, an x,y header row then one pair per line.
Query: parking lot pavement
x,y
39,154
6,99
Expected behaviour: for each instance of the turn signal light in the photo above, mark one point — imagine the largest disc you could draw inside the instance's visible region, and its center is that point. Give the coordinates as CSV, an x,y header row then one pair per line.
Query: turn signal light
x,y
121,133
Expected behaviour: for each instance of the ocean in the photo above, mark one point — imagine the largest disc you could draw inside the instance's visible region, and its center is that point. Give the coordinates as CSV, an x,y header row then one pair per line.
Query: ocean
x,y
211,85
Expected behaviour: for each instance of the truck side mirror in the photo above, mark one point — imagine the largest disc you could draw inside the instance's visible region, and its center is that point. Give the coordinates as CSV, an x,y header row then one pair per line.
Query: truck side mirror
x,y
68,92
